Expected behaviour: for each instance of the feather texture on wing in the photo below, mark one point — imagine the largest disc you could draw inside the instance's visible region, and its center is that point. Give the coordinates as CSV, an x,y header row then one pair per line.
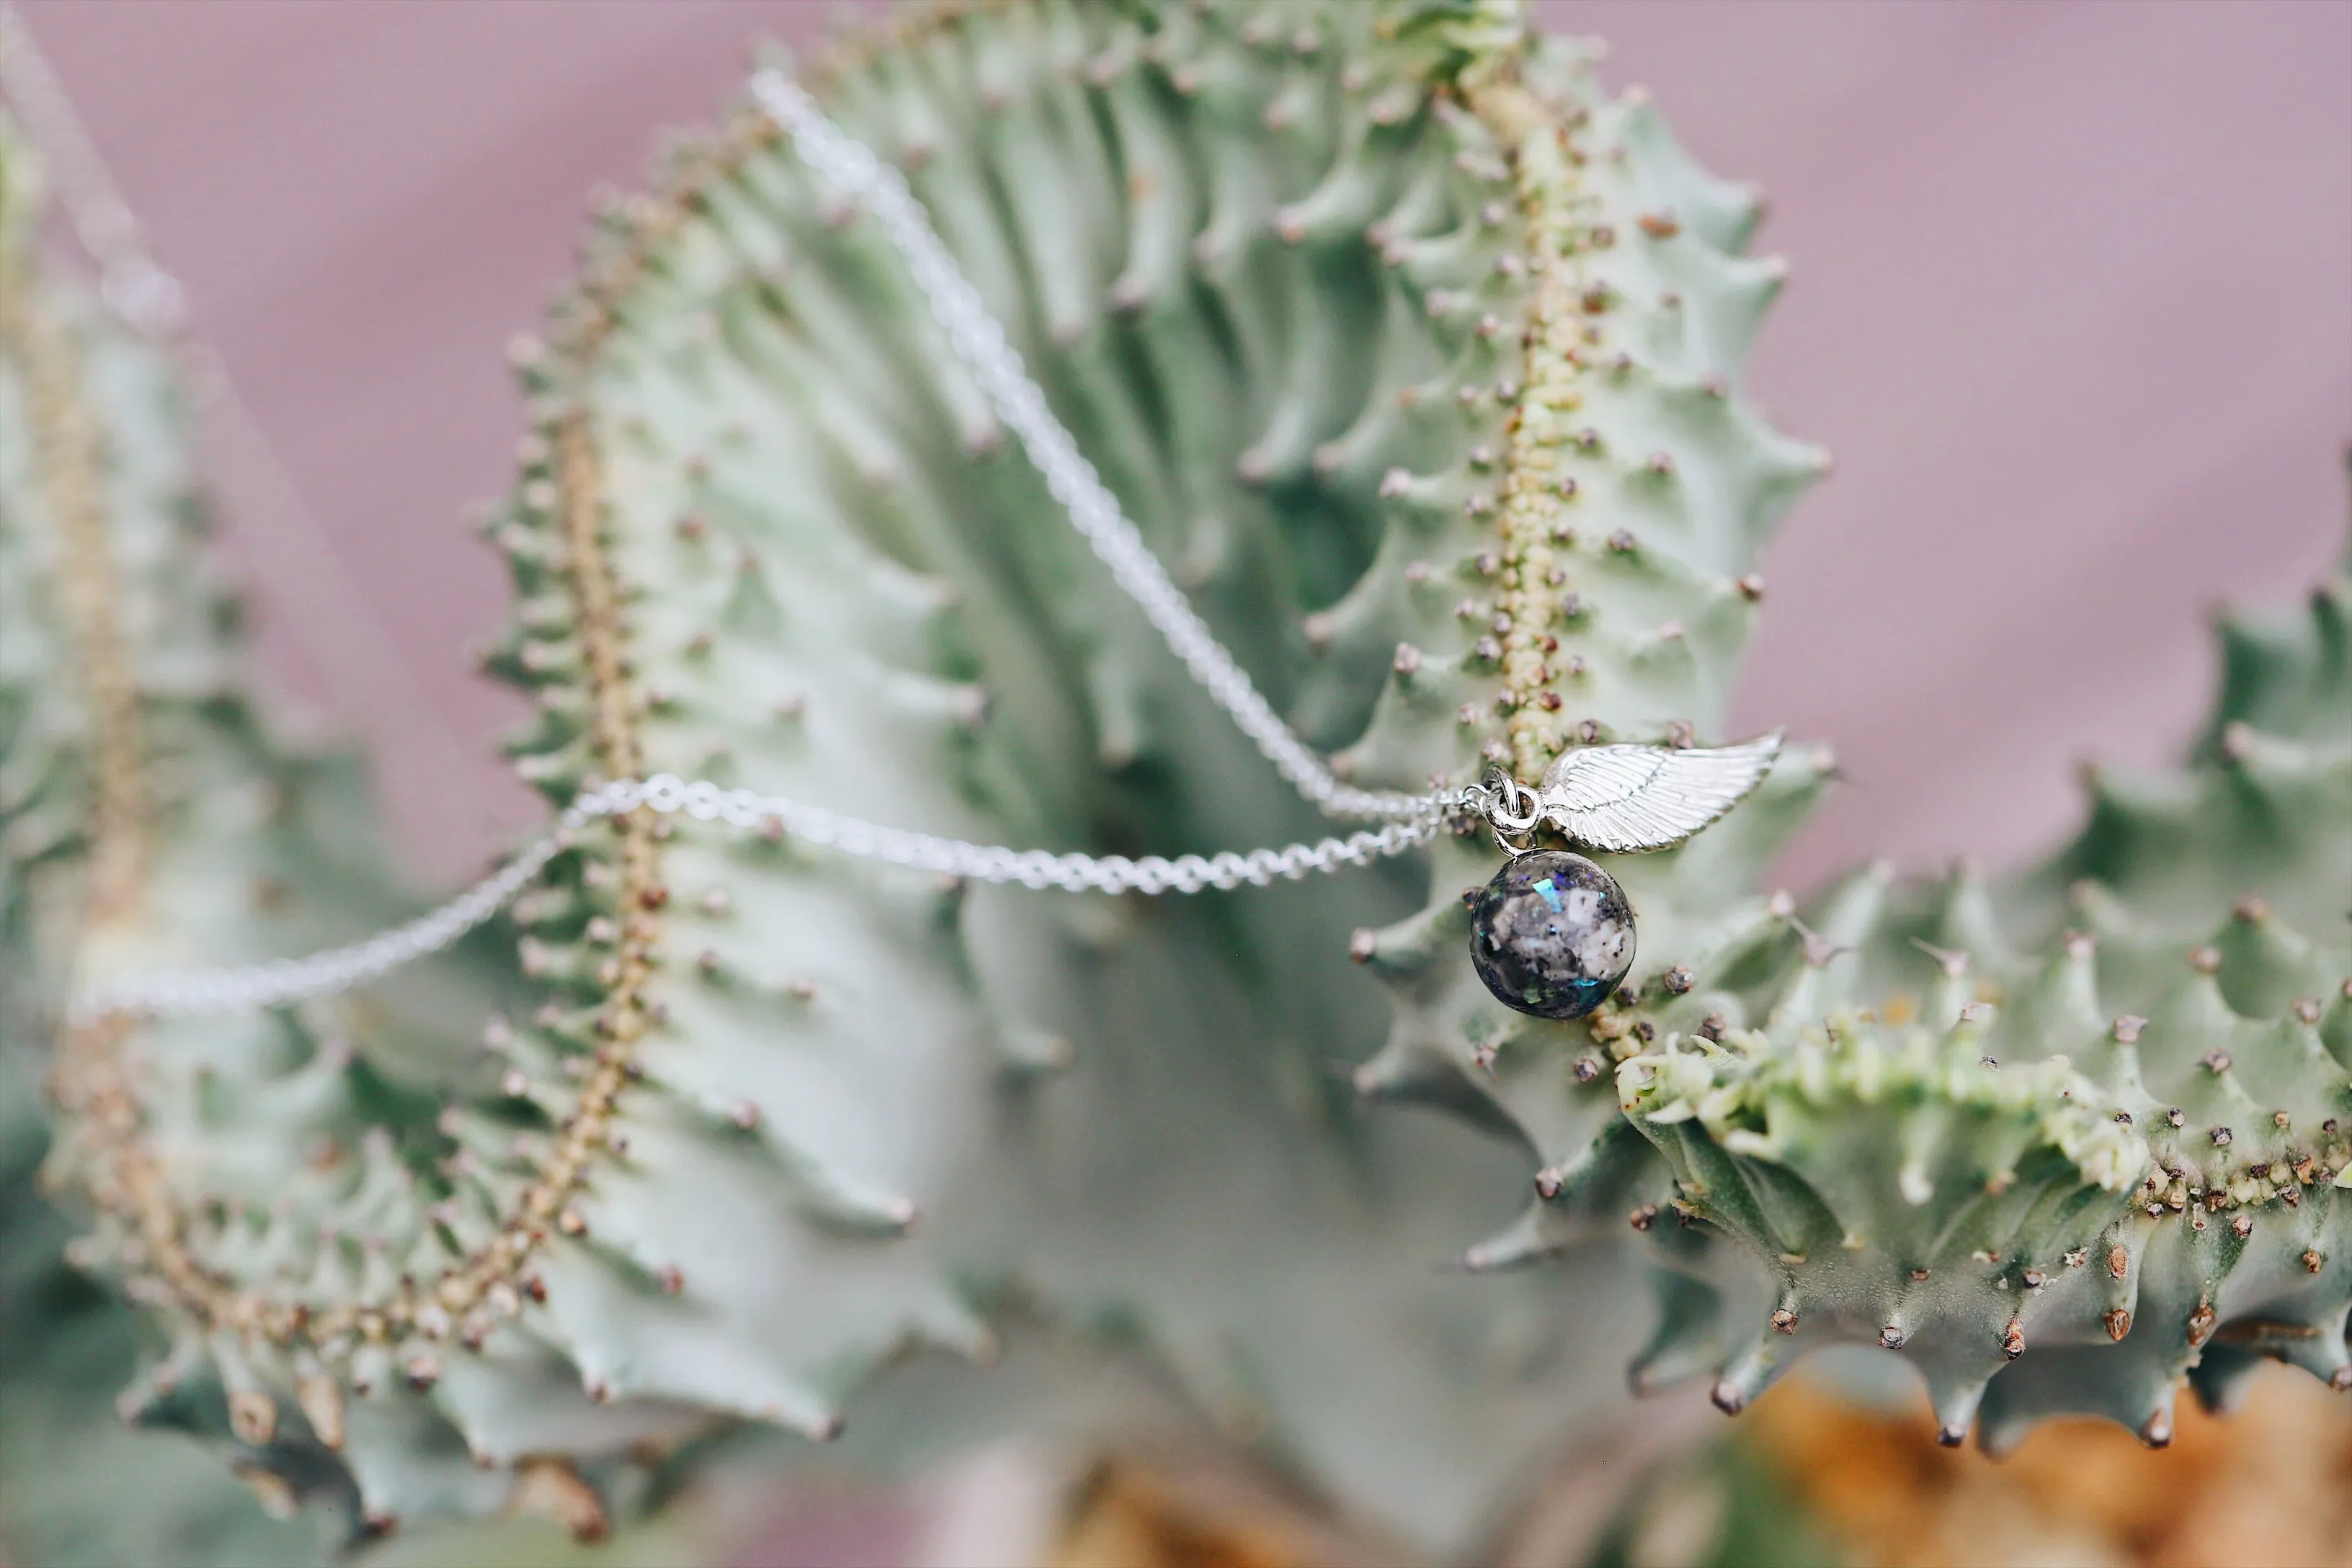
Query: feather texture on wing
x,y
1627,797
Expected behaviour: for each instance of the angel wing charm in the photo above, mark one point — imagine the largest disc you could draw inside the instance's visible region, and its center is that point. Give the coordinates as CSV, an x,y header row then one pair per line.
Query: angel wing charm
x,y
1626,797
1552,935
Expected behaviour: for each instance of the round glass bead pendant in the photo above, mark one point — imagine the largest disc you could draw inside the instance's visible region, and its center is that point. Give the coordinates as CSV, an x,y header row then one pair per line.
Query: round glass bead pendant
x,y
1552,934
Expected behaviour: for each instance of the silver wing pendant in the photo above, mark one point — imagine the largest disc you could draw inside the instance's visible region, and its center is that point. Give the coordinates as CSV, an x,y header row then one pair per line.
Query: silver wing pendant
x,y
1627,797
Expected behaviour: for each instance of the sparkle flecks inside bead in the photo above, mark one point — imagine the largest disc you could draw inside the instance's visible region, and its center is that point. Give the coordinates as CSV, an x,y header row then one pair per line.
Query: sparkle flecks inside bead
x,y
1552,934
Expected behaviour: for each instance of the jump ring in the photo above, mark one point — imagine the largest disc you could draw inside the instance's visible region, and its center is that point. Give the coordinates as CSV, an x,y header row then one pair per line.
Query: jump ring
x,y
1511,807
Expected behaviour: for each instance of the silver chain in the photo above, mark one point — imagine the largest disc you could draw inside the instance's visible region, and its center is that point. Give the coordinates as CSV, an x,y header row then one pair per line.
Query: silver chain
x,y
183,992
978,340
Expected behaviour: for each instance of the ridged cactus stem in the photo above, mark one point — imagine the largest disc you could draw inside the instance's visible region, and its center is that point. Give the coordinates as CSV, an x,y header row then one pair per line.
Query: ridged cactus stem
x,y
1417,361
1535,485
1270,265
87,1077
65,439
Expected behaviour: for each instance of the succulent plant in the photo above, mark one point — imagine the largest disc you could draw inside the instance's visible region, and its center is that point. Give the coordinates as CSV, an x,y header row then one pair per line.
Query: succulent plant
x,y
106,604
1419,361
2106,1152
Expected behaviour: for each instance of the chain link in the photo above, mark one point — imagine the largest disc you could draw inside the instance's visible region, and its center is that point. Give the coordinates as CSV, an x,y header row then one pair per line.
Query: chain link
x,y
276,984
978,340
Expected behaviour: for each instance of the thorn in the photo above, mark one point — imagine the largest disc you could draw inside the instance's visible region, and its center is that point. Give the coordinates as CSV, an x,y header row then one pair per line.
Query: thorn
x,y
2119,1323
2201,1325
253,1417
1954,964
1820,951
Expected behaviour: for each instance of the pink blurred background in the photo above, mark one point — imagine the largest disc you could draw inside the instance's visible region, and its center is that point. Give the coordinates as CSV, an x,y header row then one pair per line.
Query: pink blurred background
x,y
2072,303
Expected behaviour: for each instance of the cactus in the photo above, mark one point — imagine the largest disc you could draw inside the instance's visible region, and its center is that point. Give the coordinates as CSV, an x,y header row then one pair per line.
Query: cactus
x,y
761,483
97,529
2109,1154
1419,360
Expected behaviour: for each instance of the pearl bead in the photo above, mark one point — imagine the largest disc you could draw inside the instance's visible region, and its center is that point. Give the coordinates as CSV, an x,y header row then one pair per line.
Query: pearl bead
x,y
1552,934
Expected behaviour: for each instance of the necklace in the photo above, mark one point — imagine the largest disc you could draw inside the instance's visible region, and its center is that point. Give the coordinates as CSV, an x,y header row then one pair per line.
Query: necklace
x,y
1552,934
